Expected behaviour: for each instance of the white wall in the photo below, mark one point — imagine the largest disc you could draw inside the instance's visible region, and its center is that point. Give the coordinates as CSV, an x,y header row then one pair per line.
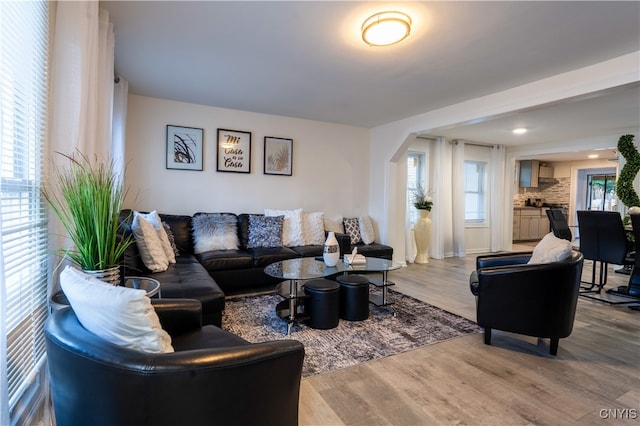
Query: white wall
x,y
564,168
330,163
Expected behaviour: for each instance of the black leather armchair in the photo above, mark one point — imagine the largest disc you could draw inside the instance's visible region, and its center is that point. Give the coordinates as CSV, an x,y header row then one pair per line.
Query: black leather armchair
x,y
535,300
213,377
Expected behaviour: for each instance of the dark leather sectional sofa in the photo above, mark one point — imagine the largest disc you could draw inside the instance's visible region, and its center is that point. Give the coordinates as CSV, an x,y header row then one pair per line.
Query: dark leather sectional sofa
x,y
210,275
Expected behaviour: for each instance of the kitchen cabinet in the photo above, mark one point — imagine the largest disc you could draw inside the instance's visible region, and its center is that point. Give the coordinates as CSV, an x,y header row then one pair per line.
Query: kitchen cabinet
x,y
529,170
545,172
543,227
530,224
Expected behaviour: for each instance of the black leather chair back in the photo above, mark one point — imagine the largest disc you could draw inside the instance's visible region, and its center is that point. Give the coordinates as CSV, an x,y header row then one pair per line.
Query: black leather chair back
x,y
602,236
635,224
559,224
213,377
634,278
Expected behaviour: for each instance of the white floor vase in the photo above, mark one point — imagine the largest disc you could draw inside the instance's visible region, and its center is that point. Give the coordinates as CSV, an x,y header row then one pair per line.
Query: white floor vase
x,y
422,232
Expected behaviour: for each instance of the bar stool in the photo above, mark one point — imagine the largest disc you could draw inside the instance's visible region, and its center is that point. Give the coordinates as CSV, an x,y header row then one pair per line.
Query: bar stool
x,y
354,297
322,304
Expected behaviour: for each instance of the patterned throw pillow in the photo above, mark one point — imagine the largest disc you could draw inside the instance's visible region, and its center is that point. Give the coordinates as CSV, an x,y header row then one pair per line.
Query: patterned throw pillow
x,y
172,239
352,228
214,231
291,228
265,231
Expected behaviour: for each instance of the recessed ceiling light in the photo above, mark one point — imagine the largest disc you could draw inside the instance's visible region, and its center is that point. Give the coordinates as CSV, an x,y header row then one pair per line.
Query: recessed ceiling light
x,y
520,131
385,28
593,155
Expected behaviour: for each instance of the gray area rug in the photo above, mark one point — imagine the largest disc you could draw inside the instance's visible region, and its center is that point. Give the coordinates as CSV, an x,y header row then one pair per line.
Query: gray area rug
x,y
415,324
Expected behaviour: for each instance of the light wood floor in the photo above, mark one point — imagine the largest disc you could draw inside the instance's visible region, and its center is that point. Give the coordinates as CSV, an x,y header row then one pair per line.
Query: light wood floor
x,y
594,379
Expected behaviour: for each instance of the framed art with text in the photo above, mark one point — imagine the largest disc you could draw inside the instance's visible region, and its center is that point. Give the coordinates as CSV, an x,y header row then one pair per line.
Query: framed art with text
x,y
234,151
278,156
184,148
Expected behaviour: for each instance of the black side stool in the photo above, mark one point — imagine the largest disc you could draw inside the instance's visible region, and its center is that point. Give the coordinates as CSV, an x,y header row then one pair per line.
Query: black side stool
x,y
323,303
354,297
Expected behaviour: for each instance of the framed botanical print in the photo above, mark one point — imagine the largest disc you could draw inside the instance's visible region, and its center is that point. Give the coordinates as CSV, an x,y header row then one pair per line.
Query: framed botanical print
x,y
184,148
278,156
234,151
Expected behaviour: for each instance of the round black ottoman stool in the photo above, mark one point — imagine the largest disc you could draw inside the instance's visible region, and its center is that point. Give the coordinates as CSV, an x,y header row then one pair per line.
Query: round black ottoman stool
x,y
323,303
354,297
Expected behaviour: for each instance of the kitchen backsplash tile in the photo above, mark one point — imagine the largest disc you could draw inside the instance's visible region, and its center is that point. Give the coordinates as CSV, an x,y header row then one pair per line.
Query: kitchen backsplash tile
x,y
550,193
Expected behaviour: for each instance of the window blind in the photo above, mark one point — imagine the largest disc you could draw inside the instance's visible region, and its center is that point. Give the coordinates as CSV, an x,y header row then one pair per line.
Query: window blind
x,y
23,219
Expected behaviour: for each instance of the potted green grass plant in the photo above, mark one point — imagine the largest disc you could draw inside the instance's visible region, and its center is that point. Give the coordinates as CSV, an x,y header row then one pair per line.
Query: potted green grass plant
x,y
87,198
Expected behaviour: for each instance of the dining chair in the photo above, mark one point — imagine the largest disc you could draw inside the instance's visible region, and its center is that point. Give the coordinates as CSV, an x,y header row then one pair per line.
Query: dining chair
x,y
632,289
603,239
559,225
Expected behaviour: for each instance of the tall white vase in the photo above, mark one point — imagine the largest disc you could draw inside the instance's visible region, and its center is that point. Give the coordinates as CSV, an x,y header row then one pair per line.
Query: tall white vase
x,y
331,252
422,233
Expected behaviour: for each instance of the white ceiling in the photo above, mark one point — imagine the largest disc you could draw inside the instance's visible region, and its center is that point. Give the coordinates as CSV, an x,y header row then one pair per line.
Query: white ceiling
x,y
306,59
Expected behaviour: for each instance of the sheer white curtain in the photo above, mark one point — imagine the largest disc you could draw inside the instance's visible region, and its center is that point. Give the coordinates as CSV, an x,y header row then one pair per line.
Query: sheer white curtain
x,y
442,199
81,96
457,193
499,197
410,249
82,81
118,136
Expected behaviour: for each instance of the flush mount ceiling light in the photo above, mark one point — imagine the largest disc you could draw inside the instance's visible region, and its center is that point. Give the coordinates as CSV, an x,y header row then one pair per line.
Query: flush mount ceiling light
x,y
386,28
520,131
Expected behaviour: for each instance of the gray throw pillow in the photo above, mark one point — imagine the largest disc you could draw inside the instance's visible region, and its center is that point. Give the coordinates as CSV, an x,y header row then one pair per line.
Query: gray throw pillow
x,y
265,231
172,239
214,231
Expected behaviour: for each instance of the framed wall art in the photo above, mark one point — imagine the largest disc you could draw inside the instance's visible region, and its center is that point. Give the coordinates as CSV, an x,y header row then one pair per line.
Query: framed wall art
x,y
278,156
184,148
234,151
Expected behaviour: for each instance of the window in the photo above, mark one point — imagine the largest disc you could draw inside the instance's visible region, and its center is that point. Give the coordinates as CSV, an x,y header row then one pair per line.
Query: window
x,y
475,197
415,176
23,220
601,192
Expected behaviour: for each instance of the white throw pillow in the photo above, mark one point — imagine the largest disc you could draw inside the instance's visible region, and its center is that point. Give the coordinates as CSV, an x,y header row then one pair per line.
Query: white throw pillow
x,y
313,228
333,225
120,315
551,249
366,229
149,245
292,227
154,219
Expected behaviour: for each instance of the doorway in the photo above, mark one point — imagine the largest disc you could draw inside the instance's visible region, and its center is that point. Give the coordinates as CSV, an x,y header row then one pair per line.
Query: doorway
x,y
601,192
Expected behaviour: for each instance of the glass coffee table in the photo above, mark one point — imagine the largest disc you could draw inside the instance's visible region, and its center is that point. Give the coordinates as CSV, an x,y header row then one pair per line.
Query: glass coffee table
x,y
295,271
